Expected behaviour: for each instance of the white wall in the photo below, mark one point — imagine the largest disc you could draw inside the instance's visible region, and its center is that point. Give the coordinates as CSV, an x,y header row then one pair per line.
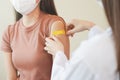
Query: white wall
x,y
68,9
6,17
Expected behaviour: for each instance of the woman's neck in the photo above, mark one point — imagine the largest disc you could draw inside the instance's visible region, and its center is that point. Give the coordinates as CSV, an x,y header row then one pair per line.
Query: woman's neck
x,y
31,18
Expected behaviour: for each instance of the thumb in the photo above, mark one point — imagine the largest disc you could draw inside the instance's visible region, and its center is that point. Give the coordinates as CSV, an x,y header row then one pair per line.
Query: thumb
x,y
71,32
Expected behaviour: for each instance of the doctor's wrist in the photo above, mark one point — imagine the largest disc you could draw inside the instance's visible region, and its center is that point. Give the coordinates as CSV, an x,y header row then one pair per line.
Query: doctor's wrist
x,y
59,52
91,25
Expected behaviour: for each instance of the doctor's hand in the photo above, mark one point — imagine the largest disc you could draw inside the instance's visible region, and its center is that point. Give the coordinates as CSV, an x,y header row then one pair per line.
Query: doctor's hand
x,y
53,45
77,25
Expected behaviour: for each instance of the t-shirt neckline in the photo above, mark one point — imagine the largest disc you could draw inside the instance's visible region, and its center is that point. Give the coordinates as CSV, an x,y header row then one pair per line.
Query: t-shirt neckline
x,y
32,27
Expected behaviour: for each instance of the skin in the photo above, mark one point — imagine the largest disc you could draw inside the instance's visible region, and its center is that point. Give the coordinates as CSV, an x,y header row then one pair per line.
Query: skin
x,y
29,20
11,71
53,45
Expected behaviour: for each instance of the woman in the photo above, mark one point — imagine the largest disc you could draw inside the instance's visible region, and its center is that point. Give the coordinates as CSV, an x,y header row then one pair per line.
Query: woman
x,y
95,59
23,42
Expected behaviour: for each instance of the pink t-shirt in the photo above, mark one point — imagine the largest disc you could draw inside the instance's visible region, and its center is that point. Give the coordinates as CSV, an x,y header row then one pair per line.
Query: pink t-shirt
x,y
26,44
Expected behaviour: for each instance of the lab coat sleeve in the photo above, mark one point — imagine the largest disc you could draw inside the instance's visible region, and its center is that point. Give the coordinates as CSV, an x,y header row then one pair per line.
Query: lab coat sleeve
x,y
70,70
59,64
95,30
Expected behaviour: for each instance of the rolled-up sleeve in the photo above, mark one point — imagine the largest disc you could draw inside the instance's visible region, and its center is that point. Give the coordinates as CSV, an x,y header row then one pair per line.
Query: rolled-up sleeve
x,y
5,41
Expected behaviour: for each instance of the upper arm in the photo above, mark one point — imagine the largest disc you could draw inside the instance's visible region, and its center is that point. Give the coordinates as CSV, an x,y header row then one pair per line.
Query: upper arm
x,y
59,25
6,40
10,69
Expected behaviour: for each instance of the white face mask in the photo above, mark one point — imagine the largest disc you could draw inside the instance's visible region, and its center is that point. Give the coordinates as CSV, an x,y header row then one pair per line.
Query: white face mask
x,y
24,7
100,3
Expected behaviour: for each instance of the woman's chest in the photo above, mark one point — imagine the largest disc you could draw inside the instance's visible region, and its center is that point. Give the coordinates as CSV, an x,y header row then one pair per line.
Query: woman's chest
x,y
28,49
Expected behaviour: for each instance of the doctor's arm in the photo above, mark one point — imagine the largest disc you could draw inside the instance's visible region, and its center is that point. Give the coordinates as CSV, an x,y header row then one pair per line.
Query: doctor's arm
x,y
64,69
77,25
56,48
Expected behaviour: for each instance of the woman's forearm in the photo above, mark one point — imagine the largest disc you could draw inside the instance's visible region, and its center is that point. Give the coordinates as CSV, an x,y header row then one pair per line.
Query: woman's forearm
x,y
11,71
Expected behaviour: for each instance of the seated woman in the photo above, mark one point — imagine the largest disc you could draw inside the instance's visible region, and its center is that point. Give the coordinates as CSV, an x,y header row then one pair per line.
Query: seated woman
x,y
23,42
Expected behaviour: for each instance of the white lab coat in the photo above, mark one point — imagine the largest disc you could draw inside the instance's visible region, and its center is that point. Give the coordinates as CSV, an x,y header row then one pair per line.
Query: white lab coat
x,y
94,59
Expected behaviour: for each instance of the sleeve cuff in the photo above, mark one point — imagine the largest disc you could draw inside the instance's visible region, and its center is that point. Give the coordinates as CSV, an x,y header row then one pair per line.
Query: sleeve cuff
x,y
5,50
95,30
60,59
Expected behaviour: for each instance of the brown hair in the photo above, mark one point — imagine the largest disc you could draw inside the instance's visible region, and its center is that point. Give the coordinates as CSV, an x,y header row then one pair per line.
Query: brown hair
x,y
46,6
112,9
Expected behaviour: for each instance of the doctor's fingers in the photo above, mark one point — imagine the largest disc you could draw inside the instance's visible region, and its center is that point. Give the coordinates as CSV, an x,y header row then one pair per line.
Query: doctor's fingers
x,y
54,41
50,45
49,50
71,32
50,41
